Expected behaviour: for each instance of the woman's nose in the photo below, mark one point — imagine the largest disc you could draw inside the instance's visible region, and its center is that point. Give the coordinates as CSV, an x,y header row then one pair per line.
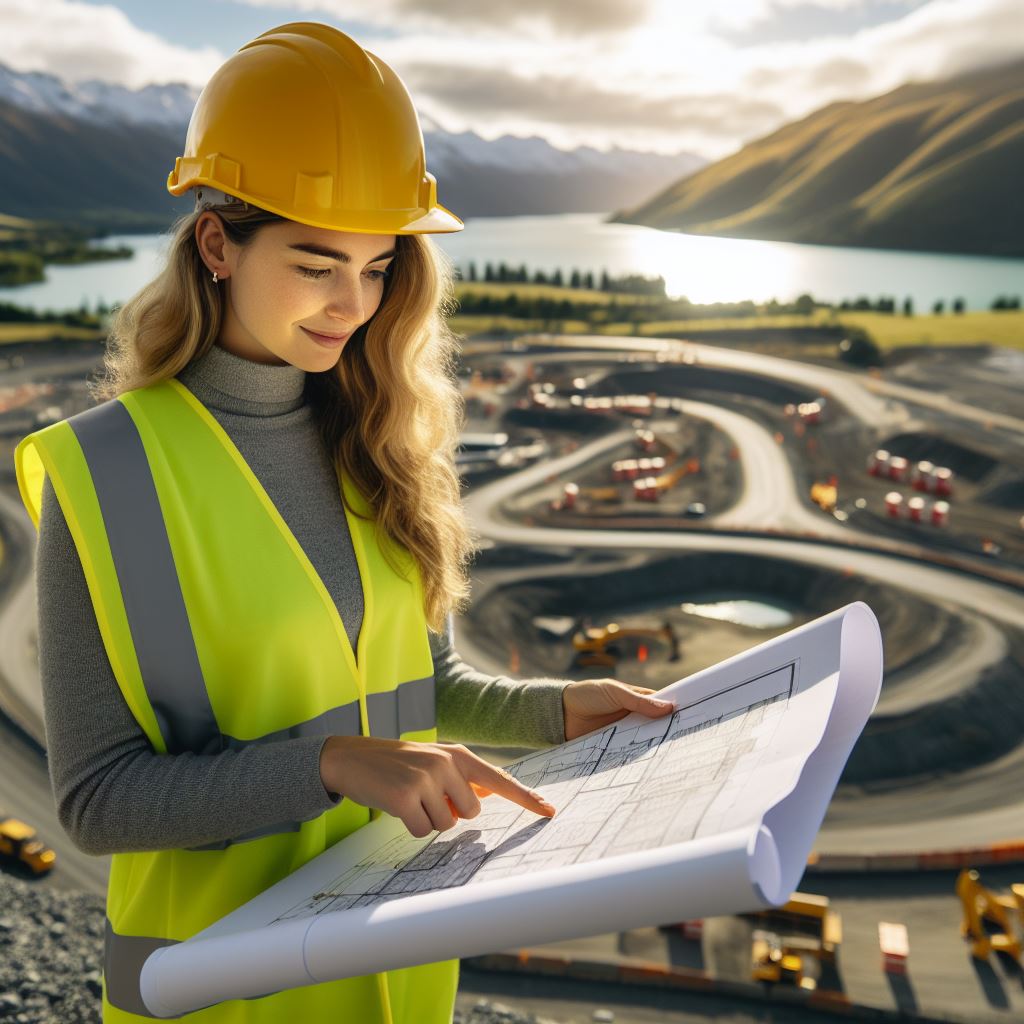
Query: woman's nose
x,y
347,305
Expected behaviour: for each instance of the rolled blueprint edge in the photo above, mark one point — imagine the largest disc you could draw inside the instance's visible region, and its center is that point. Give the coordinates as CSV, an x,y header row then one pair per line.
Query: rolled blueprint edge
x,y
190,976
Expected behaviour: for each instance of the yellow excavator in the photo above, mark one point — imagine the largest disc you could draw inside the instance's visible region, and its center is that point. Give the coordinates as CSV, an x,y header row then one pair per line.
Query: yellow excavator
x,y
18,841
604,645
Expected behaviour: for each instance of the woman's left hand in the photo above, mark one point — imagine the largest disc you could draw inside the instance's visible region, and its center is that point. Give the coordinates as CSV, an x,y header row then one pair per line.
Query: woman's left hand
x,y
589,704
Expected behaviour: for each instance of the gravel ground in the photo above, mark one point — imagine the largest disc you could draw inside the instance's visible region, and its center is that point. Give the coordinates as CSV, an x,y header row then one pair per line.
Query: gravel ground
x,y
51,949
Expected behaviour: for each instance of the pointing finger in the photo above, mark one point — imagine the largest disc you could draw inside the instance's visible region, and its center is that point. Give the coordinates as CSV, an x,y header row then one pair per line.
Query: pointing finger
x,y
489,779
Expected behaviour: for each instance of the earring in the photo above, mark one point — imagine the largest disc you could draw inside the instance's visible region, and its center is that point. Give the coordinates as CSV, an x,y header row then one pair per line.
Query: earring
x,y
215,277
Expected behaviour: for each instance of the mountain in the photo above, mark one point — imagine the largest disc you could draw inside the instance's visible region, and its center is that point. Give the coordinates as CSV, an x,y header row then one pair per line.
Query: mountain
x,y
516,175
99,154
98,102
930,166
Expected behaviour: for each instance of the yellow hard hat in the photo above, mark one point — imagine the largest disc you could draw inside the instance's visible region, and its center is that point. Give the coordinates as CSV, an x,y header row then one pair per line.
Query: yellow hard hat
x,y
305,123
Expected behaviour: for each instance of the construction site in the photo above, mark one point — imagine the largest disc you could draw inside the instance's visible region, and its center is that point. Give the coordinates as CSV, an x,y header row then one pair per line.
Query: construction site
x,y
648,508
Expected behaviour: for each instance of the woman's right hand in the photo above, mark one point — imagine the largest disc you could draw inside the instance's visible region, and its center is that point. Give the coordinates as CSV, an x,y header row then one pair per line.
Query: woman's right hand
x,y
427,785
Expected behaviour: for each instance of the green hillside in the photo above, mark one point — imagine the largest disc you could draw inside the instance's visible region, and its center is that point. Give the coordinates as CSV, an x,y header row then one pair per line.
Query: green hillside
x,y
929,166
26,246
102,178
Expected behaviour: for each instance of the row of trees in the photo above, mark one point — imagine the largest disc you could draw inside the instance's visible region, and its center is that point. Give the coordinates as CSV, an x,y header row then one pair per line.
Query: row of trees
x,y
81,317
636,284
627,284
886,304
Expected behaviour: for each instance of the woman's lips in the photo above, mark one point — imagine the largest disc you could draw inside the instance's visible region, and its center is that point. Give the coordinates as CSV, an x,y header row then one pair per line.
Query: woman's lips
x,y
323,339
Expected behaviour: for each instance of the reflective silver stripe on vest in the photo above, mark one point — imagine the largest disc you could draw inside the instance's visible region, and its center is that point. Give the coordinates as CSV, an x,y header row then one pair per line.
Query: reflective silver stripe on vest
x,y
152,596
158,620
405,709
123,959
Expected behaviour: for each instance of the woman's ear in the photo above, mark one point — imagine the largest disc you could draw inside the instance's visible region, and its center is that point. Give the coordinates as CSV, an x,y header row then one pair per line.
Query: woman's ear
x,y
212,244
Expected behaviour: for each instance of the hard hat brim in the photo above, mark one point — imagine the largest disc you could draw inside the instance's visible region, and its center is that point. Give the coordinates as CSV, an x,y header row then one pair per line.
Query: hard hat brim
x,y
438,220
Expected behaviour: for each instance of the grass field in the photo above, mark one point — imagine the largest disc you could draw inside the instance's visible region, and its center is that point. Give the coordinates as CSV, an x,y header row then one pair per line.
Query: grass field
x,y
889,331
499,289
10,333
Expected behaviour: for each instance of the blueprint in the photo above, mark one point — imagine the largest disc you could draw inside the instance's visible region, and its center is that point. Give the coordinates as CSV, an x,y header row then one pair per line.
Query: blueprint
x,y
712,809
620,790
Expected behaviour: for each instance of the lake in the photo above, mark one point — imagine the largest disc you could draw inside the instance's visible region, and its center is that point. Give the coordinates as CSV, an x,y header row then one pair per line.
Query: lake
x,y
703,269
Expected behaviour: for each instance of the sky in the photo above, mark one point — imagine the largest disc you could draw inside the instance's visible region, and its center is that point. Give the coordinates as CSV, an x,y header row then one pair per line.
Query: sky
x,y
656,75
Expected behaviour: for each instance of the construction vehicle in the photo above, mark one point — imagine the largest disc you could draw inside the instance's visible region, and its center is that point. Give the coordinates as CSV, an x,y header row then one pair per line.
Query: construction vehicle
x,y
777,961
807,915
824,496
986,919
604,645
18,841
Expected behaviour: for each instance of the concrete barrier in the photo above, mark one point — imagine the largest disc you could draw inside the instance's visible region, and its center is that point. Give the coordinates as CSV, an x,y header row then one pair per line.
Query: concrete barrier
x,y
635,972
1008,852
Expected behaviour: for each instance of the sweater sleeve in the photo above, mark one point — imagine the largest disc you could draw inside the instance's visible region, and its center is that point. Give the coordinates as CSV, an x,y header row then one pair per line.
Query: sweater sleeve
x,y
113,792
479,708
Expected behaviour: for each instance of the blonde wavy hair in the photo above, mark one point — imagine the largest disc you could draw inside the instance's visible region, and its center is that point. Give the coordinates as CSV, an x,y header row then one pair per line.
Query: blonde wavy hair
x,y
389,411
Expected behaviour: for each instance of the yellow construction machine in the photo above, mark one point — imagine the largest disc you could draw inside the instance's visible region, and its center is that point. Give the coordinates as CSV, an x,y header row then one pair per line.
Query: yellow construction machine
x,y
19,842
604,645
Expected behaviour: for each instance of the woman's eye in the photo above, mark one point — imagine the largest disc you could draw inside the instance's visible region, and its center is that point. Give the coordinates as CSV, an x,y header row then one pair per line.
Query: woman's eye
x,y
317,272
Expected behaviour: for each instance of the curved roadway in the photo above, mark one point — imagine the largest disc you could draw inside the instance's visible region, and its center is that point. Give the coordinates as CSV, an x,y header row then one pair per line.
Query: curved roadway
x,y
921,817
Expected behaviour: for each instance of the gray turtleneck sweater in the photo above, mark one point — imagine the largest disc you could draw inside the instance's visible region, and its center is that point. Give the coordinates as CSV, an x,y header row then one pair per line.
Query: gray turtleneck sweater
x,y
113,792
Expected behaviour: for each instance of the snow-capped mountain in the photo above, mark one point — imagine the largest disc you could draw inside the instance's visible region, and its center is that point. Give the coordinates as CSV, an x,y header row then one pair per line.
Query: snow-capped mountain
x,y
114,141
104,102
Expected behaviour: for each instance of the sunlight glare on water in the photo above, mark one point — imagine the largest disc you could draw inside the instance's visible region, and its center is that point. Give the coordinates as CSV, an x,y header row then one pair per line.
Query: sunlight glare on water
x,y
742,612
706,269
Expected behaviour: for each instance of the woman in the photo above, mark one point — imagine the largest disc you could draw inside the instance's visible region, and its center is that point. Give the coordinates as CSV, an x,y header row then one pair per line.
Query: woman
x,y
250,550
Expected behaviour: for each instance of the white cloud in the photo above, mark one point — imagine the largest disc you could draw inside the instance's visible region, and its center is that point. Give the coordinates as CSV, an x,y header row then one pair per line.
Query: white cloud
x,y
454,17
77,41
671,83
651,74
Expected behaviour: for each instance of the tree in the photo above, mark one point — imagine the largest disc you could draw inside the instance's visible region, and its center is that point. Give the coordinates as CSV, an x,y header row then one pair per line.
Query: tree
x,y
958,305
804,305
908,306
859,348
939,308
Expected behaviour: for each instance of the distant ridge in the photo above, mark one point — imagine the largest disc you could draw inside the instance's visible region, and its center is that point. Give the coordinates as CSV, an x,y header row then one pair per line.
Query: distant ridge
x,y
935,167
98,154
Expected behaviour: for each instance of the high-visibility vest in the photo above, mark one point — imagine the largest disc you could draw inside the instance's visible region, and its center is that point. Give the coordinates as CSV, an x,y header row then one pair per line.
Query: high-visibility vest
x,y
221,633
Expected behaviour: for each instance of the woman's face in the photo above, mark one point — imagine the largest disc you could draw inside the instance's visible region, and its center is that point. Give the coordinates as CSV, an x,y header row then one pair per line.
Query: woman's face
x,y
293,283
